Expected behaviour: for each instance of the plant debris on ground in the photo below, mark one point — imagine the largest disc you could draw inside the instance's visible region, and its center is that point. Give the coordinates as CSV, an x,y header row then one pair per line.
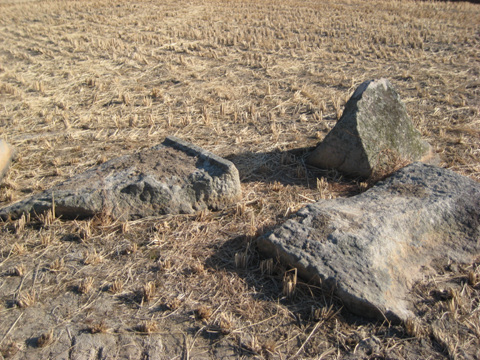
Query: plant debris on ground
x,y
259,83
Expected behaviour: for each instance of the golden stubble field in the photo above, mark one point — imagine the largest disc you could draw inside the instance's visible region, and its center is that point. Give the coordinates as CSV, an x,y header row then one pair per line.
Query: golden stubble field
x,y
82,82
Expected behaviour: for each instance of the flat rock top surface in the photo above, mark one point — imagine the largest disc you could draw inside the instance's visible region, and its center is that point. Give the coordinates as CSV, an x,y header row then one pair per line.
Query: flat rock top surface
x,y
160,161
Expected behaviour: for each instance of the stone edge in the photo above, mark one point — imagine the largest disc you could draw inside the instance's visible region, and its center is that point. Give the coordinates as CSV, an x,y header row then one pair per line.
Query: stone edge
x,y
191,149
4,166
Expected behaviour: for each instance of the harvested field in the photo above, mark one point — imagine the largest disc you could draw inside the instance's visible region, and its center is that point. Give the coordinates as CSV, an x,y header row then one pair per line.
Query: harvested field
x,y
258,83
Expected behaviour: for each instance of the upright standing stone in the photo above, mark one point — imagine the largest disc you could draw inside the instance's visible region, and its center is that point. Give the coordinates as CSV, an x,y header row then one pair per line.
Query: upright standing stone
x,y
171,178
5,158
373,133
372,247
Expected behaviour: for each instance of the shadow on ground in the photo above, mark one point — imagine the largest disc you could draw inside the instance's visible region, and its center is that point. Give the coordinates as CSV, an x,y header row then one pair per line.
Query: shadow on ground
x,y
310,307
310,304
289,167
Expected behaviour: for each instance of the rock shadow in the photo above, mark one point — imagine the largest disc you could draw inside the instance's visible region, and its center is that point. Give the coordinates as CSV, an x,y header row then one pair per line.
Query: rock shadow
x,y
288,167
265,276
309,305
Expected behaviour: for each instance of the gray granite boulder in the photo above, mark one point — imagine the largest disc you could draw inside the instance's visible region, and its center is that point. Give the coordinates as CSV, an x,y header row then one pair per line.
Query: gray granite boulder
x,y
373,135
174,177
6,154
372,247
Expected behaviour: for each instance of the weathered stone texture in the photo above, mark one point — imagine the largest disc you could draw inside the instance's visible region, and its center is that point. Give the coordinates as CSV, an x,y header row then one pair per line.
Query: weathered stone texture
x,y
174,177
373,246
6,154
373,134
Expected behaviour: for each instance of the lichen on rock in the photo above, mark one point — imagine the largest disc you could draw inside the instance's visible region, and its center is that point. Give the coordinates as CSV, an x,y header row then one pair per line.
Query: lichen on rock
x,y
373,135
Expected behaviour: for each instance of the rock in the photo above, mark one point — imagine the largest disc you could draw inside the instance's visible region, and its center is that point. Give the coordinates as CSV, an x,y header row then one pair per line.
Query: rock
x,y
6,154
171,178
372,247
373,135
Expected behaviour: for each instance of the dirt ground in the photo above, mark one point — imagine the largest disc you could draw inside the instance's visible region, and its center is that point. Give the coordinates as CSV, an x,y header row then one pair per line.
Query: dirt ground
x,y
259,83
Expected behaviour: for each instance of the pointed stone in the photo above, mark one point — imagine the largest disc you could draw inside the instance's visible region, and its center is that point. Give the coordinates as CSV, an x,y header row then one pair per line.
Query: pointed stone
x,y
6,154
373,135
171,178
371,248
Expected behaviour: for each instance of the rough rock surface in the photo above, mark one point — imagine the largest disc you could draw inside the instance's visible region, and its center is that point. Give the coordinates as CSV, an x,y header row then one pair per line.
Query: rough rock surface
x,y
373,134
174,177
372,247
5,158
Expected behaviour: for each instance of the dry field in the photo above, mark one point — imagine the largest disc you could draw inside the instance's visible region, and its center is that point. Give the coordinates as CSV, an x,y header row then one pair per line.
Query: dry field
x,y
257,82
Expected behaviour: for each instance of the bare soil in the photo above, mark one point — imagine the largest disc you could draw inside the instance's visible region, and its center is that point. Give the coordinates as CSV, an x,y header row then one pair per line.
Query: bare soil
x,y
258,83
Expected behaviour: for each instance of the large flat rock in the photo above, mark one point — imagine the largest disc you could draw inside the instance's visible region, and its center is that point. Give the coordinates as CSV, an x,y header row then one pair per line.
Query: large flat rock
x,y
373,135
372,247
174,177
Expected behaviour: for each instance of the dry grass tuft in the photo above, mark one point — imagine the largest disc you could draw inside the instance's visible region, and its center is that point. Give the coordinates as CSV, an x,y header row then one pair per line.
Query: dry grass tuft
x,y
57,265
252,344
47,218
473,278
18,270
9,349
412,327
98,327
266,266
92,258
19,249
197,268
46,239
45,339
147,292
26,299
241,259
324,313
259,83
322,187
174,304
225,324
164,264
203,312
270,346
147,327
125,227
20,224
86,285
85,230
388,162
130,249
289,283
116,287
